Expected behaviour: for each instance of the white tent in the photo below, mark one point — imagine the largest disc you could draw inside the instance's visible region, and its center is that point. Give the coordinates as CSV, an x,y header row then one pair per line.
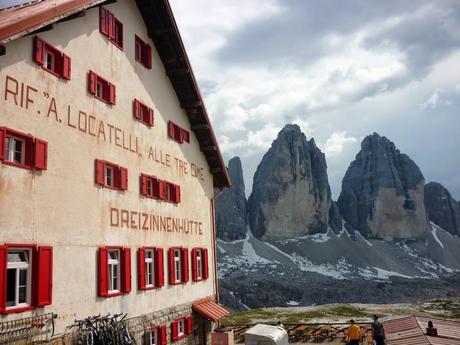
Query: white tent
x,y
266,335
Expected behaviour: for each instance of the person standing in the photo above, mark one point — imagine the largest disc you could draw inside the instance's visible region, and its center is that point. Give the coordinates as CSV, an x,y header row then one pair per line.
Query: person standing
x,y
378,332
354,333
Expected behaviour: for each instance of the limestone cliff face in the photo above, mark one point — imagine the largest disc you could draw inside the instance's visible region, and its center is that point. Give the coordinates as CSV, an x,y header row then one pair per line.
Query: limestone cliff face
x,y
383,192
231,205
442,209
291,194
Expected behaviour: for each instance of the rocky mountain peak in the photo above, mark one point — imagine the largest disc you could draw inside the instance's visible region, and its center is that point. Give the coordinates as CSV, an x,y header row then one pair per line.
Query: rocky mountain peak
x,y
291,194
442,208
383,192
231,205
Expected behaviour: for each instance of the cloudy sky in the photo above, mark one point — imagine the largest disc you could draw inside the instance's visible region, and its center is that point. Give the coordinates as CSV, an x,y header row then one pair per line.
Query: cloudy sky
x,y
339,69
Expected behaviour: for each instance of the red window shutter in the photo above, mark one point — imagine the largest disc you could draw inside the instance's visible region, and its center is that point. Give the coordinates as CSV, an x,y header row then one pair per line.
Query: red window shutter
x,y
177,192
148,56
137,109
45,276
150,117
156,188
119,39
99,169
30,151
172,276
66,66
39,50
110,25
143,182
162,189
188,325
103,21
103,272
171,129
141,268
178,134
194,265
159,269
163,336
2,143
185,135
112,93
174,331
185,266
126,270
205,262
3,266
92,82
41,154
123,178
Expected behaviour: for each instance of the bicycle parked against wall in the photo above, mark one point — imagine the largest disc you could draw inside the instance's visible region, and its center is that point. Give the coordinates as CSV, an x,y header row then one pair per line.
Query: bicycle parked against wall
x,y
101,330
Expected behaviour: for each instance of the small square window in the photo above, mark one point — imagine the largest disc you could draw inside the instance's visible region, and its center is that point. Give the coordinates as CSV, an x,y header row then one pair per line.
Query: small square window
x,y
49,60
143,52
15,149
153,337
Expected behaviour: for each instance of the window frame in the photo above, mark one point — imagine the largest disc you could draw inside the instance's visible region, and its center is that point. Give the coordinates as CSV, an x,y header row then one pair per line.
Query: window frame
x,y
150,262
178,266
112,290
35,150
102,88
27,305
112,28
61,63
177,133
143,113
142,52
119,177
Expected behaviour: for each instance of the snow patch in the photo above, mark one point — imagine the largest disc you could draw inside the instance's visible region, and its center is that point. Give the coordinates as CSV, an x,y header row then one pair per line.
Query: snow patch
x,y
250,253
384,274
434,230
293,303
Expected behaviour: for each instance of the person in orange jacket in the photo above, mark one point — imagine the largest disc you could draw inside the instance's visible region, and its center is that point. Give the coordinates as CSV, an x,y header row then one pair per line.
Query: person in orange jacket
x,y
354,333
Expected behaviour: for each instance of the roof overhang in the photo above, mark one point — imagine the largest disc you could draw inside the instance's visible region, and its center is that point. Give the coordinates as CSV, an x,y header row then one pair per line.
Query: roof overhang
x,y
21,20
210,310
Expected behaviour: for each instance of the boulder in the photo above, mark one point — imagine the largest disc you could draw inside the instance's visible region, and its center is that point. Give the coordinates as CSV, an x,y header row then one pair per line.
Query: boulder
x,y
383,192
291,196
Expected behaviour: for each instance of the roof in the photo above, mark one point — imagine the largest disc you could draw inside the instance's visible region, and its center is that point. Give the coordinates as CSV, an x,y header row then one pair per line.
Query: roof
x,y
411,330
261,332
210,310
23,19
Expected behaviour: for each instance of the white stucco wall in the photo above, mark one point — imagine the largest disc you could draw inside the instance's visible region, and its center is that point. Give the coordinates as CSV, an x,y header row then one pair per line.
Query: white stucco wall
x,y
62,206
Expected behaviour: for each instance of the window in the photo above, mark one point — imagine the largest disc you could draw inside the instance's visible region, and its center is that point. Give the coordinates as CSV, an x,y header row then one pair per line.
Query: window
x,y
150,266
143,52
177,133
110,175
200,269
101,88
114,270
18,278
181,327
111,27
51,59
143,113
155,335
22,150
18,265
178,266
154,188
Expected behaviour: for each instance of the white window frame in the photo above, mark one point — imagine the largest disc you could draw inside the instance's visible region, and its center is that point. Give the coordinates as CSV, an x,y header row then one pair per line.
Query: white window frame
x,y
10,149
153,336
181,327
178,265
19,266
52,62
149,265
199,264
109,175
114,267
150,187
99,88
